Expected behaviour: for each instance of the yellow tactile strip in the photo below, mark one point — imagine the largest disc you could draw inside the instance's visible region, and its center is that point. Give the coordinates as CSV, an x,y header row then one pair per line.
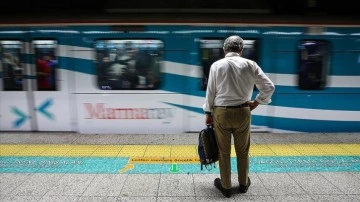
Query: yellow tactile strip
x,y
167,151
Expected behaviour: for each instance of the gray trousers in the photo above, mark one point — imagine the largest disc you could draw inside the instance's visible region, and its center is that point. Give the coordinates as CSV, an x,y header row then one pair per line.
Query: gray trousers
x,y
234,122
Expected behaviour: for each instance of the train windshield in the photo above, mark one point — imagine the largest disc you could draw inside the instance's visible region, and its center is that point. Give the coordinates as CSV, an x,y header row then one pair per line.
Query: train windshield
x,y
11,65
212,50
129,64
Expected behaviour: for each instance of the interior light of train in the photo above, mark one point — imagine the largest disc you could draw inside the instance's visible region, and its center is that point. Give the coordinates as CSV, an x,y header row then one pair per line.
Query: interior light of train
x,y
211,43
149,32
239,31
10,46
219,43
131,43
309,43
59,31
192,31
102,32
44,42
333,33
45,45
283,33
13,43
225,31
15,32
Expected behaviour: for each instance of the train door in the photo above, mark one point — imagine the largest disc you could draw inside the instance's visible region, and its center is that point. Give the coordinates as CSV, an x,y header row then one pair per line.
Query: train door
x,y
209,50
50,97
177,78
14,102
283,63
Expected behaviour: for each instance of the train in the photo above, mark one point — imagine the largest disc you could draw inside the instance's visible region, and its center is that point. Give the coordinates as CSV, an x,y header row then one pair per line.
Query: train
x,y
150,78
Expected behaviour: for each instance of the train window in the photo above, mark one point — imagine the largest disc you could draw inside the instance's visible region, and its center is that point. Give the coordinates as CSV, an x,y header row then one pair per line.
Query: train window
x,y
46,64
212,50
12,71
313,64
129,64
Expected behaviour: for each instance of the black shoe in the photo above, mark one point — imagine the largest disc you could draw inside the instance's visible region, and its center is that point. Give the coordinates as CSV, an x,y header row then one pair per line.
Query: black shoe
x,y
225,192
243,188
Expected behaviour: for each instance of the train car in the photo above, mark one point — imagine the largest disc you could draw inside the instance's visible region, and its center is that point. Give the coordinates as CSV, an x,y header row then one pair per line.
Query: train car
x,y
151,78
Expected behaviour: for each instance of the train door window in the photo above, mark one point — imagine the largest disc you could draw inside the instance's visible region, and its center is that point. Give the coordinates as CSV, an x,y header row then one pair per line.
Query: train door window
x,y
12,71
129,64
46,64
313,64
211,50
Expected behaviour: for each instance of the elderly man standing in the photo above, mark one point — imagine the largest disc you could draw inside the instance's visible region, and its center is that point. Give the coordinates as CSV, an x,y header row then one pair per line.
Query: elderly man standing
x,y
228,107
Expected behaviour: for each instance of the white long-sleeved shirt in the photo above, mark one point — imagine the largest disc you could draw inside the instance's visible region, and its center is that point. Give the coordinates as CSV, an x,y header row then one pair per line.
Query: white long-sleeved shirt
x,y
231,82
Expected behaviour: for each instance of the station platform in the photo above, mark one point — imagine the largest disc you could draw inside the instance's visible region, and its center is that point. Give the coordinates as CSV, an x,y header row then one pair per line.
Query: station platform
x,y
53,166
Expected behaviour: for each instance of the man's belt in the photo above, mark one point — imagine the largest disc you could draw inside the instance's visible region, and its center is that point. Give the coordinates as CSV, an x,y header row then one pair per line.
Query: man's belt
x,y
236,106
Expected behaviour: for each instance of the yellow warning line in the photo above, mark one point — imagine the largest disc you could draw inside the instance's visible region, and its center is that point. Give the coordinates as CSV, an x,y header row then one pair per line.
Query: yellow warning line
x,y
161,160
164,153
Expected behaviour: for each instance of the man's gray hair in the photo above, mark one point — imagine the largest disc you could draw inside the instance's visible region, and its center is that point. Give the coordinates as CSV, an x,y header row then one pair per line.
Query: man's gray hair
x,y
233,43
